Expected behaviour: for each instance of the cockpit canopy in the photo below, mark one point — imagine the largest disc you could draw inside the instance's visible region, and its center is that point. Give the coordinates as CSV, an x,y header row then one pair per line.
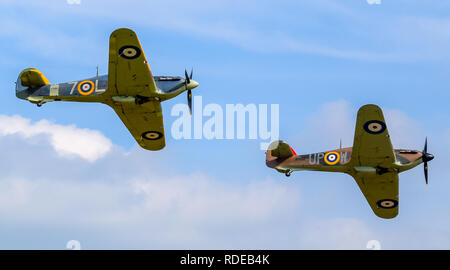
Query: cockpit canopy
x,y
167,78
168,83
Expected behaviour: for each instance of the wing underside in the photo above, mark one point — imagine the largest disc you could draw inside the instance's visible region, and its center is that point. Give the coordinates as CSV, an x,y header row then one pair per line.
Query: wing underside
x,y
381,192
128,71
145,122
372,150
372,145
129,75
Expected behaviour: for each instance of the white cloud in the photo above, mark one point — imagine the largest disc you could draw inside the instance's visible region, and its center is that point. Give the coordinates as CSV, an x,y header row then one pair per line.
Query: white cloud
x,y
128,198
190,211
201,199
67,141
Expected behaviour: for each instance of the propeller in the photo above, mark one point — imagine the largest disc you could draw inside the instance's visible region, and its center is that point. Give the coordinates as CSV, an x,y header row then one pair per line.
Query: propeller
x,y
189,93
425,158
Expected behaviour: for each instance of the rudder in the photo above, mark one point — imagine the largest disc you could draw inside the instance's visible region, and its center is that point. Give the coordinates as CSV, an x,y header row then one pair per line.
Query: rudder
x,y
29,78
277,152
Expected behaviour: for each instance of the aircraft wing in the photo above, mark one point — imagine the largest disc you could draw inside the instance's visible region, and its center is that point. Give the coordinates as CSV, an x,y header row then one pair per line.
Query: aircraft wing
x,y
372,146
381,191
128,71
145,122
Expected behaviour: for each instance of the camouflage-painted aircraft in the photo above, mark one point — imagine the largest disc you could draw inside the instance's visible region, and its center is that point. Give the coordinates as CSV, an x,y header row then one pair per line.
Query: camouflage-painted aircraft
x,y
372,161
129,88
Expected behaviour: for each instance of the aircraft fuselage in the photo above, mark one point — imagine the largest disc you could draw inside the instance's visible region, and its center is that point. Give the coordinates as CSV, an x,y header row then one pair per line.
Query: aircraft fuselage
x,y
95,90
340,160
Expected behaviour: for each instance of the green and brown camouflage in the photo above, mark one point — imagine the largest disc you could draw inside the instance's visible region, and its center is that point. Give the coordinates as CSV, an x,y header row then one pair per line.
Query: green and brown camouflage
x,y
372,161
406,159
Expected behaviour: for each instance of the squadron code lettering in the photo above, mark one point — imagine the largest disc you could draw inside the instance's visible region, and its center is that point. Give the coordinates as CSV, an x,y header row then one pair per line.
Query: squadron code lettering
x,y
228,259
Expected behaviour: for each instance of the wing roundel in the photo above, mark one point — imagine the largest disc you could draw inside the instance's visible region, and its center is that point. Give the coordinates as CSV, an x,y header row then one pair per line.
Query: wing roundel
x,y
145,123
128,72
372,145
381,192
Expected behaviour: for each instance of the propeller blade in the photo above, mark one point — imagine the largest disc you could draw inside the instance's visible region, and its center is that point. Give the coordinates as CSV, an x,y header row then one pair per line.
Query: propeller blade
x,y
426,145
425,158
187,79
189,97
189,93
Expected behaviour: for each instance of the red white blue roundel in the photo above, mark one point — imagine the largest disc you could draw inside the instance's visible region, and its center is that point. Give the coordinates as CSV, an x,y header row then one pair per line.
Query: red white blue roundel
x,y
332,158
374,127
129,52
85,88
387,203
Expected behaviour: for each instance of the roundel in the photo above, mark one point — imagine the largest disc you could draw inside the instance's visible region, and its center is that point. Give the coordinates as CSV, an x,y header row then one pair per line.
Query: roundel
x,y
387,203
374,127
151,135
86,88
332,158
129,52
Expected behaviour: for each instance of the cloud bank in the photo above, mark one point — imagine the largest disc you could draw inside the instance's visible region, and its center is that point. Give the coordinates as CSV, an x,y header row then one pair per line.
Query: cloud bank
x,y
67,141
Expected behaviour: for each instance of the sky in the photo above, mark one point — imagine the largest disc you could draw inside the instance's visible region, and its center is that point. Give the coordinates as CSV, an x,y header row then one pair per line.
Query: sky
x,y
72,171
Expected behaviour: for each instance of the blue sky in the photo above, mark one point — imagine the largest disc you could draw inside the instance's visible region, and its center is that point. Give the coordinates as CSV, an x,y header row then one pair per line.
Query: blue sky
x,y
73,171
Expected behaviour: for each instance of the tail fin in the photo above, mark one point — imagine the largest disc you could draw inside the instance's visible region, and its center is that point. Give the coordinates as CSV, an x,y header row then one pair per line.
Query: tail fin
x,y
28,79
278,151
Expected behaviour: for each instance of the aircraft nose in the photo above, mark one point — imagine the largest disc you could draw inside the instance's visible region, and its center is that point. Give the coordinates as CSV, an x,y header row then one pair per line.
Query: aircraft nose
x,y
429,157
193,84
